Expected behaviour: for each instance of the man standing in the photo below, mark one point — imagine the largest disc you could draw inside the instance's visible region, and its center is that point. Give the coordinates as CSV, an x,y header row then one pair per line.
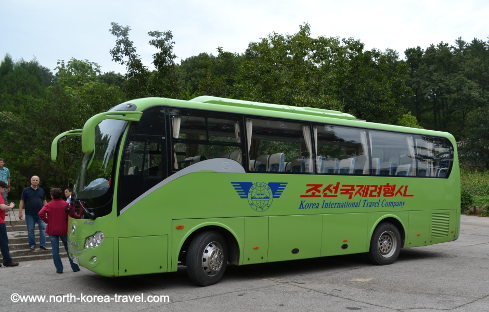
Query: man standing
x,y
7,261
5,177
33,198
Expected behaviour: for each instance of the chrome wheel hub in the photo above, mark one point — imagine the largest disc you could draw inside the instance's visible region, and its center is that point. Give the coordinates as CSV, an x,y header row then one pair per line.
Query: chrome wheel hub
x,y
387,244
212,258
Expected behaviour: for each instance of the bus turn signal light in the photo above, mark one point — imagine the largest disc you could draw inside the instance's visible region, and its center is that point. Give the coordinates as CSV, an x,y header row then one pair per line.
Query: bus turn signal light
x,y
256,247
179,227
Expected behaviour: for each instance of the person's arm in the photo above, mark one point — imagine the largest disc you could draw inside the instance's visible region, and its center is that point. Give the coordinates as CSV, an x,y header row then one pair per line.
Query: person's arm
x,y
43,213
21,207
8,182
7,207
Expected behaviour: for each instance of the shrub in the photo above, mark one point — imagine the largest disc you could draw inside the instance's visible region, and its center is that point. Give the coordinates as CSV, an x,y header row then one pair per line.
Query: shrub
x,y
467,201
485,212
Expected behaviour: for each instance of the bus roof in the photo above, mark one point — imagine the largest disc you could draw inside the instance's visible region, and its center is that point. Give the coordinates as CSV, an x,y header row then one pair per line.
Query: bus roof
x,y
274,107
278,111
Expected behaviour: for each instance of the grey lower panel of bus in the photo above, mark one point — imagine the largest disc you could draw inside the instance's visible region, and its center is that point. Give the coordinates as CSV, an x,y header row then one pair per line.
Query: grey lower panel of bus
x,y
223,165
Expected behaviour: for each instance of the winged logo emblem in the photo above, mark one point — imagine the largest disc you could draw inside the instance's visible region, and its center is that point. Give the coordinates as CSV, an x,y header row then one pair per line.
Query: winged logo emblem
x,y
260,195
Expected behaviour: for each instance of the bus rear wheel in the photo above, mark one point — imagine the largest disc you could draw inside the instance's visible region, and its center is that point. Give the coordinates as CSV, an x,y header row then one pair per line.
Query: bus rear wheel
x,y
207,258
385,244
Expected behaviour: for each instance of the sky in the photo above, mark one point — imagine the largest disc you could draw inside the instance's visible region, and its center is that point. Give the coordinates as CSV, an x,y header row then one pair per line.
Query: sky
x,y
52,30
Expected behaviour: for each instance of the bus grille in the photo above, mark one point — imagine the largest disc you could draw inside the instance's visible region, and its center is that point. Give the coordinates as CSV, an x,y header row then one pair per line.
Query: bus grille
x,y
440,223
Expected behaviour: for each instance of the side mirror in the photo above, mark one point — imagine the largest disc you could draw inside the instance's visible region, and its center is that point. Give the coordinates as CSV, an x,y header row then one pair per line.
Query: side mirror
x,y
88,137
60,138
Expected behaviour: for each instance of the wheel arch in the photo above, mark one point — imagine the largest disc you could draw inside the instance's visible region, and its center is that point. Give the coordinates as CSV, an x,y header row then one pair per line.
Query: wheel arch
x,y
393,219
229,235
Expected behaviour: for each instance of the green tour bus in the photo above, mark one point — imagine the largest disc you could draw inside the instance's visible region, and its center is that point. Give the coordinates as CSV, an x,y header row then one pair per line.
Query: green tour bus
x,y
213,182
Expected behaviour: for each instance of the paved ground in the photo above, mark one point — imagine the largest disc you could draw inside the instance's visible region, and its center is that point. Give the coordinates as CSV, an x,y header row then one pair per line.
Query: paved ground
x,y
451,276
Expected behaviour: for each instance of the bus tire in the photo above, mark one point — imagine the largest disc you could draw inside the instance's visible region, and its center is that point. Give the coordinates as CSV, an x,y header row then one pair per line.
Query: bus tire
x,y
207,258
385,244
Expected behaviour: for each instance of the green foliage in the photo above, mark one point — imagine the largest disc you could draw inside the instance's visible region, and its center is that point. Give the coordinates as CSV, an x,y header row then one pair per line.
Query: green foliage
x,y
292,69
42,106
475,190
408,120
448,83
467,201
475,182
475,147
209,74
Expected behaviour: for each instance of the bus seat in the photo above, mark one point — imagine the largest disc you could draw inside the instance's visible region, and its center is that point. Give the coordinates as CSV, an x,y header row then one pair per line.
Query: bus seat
x,y
442,173
361,165
386,168
403,170
308,164
252,164
424,169
288,166
261,163
330,165
298,166
319,162
375,166
277,162
347,166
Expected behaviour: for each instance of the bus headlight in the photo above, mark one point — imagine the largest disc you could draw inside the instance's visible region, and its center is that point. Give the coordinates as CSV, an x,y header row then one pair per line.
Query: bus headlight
x,y
95,240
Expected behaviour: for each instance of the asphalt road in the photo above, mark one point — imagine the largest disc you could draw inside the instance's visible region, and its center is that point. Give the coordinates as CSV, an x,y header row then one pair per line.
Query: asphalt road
x,y
451,276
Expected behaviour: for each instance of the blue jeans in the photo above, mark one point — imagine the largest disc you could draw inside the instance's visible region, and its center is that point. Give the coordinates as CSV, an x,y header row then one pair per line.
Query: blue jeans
x,y
4,243
55,251
31,224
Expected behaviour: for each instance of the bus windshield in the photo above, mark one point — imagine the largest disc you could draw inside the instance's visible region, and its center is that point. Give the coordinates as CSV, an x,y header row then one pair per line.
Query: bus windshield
x,y
96,168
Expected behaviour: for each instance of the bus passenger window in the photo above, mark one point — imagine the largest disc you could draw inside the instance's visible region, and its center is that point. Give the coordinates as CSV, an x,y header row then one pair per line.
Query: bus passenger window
x,y
434,156
198,138
341,150
395,152
278,146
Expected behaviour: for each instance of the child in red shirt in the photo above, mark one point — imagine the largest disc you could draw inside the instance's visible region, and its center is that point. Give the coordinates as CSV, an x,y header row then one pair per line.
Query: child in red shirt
x,y
54,214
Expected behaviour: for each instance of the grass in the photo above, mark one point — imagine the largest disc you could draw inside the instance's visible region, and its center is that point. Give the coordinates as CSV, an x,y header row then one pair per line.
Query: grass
x,y
476,183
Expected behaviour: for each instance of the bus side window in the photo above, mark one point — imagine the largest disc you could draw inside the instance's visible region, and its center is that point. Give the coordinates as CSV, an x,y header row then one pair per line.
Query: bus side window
x,y
279,146
434,156
342,150
395,152
198,138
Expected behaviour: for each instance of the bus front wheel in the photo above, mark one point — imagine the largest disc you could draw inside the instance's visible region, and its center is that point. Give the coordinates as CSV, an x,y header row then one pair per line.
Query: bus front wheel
x,y
385,244
207,258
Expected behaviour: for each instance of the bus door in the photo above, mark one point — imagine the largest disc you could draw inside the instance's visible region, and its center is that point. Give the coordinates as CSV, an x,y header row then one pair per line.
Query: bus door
x,y
143,163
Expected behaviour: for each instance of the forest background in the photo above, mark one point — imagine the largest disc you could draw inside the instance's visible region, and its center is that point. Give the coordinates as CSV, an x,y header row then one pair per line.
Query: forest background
x,y
441,87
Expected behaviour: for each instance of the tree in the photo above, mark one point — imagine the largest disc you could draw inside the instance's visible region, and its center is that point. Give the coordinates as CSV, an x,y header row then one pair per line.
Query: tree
x,y
288,70
210,75
125,53
474,148
163,80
